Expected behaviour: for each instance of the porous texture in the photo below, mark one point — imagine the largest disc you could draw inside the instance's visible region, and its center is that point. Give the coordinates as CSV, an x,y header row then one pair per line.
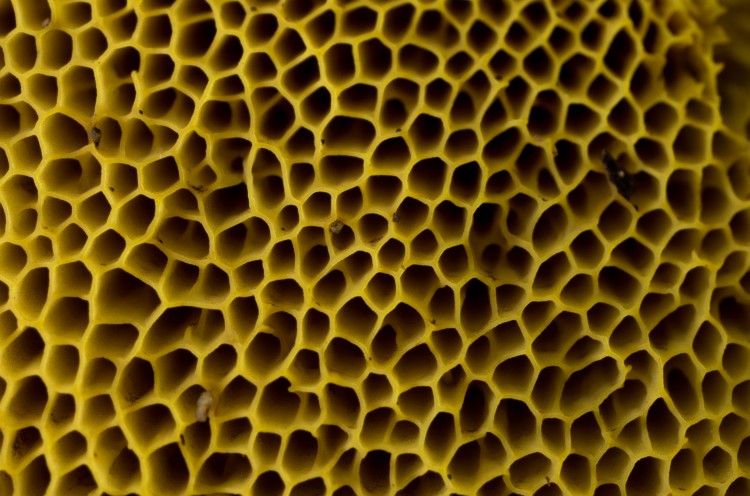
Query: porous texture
x,y
308,247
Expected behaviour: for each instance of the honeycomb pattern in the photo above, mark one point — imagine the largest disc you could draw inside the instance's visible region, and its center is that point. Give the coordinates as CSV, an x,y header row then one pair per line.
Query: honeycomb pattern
x,y
370,247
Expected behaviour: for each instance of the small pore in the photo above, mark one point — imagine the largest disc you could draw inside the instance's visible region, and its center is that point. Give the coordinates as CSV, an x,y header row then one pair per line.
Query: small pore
x,y
205,402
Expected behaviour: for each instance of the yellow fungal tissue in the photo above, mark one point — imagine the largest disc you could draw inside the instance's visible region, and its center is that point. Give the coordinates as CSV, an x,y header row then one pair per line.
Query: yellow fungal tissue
x,y
375,247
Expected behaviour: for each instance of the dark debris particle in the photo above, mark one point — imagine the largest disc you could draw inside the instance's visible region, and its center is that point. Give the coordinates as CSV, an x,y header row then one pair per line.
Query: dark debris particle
x,y
336,226
618,176
95,134
396,217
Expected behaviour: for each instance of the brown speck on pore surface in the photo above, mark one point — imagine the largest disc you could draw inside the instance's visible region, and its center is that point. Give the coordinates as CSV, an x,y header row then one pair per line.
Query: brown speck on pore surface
x,y
396,217
95,135
336,226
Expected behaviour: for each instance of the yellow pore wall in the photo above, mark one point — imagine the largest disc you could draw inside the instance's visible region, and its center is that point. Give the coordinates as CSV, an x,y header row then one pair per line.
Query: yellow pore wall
x,y
311,247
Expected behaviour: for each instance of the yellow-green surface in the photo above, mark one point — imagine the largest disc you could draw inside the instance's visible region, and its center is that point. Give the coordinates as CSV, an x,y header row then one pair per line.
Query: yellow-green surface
x,y
310,247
